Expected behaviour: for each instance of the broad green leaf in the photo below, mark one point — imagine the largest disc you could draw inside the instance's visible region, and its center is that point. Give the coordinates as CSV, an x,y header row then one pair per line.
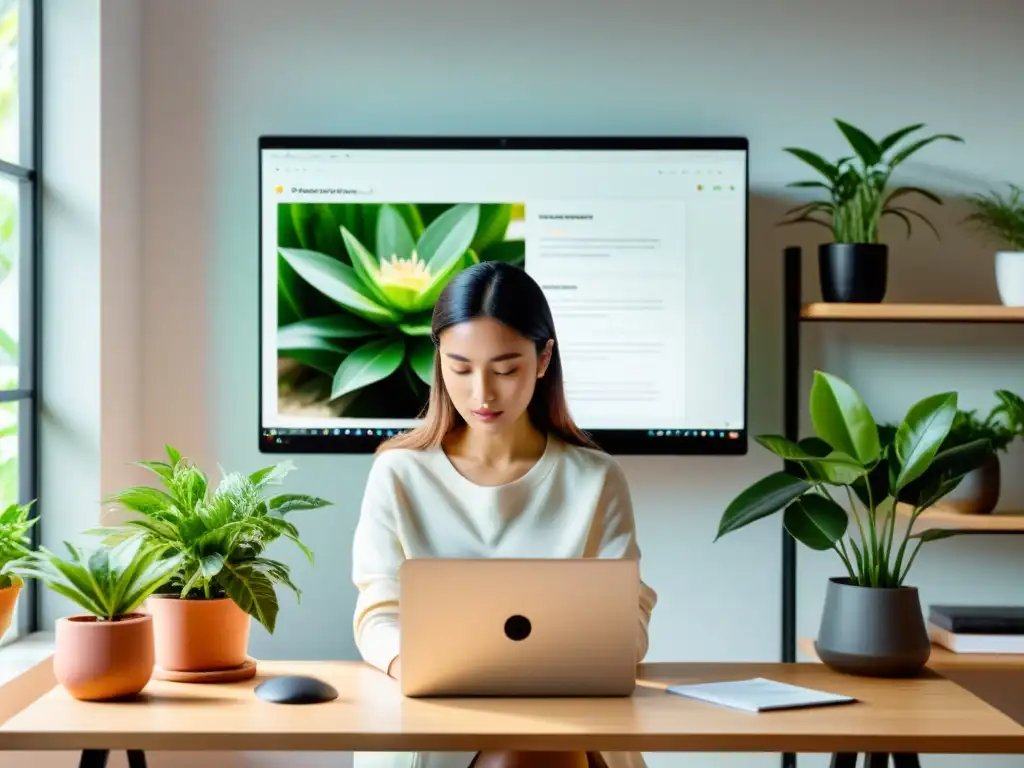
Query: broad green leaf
x,y
293,338
295,502
510,251
865,147
252,591
340,326
211,565
449,235
368,364
421,329
421,359
318,360
338,282
393,236
842,419
815,521
494,221
922,433
828,465
903,154
817,162
945,471
365,265
763,498
889,141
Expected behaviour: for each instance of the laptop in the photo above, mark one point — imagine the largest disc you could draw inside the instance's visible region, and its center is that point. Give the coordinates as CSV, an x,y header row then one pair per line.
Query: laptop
x,y
519,627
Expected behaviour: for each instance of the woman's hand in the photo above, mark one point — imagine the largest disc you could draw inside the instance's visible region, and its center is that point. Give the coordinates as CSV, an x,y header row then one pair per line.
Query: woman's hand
x,y
395,668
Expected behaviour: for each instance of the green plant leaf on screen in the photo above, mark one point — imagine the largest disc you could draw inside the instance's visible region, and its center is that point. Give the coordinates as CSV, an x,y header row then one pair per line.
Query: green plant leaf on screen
x,y
842,419
318,360
921,434
449,235
368,364
327,231
298,338
394,239
493,224
332,327
765,497
365,265
337,281
510,251
421,359
418,329
816,521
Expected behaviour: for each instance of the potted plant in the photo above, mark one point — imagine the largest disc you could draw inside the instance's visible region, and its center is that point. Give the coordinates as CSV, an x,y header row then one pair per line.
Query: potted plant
x,y
14,543
1003,219
224,577
107,652
854,267
978,492
872,623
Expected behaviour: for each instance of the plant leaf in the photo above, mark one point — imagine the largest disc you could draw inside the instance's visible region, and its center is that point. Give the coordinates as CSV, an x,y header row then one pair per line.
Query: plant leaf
x,y
865,147
294,502
493,223
842,419
421,359
510,251
921,434
814,160
815,521
253,592
368,364
889,141
393,236
340,326
765,497
917,145
338,282
365,265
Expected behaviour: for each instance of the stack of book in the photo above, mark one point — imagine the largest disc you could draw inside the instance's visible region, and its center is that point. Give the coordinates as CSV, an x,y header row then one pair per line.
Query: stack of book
x,y
977,628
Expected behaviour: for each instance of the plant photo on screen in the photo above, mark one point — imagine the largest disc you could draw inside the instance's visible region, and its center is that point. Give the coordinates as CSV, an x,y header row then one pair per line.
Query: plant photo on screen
x,y
356,286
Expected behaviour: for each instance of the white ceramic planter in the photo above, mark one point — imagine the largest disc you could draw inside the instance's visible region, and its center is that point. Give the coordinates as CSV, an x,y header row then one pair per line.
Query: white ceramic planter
x,y
1010,277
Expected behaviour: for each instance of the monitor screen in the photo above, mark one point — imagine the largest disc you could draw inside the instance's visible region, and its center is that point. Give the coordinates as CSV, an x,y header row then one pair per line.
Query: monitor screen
x,y
640,246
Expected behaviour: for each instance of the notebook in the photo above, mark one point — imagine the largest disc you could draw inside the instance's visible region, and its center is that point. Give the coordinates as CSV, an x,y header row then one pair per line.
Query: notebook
x,y
759,695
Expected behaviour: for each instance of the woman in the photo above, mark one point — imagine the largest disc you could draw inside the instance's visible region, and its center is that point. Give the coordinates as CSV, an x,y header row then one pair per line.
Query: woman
x,y
498,469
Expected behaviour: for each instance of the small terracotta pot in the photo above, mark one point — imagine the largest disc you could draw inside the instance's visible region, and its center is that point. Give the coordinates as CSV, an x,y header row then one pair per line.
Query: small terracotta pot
x,y
198,635
8,599
97,660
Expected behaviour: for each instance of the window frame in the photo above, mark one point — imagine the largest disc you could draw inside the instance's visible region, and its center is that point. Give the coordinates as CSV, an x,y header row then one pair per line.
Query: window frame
x,y
26,174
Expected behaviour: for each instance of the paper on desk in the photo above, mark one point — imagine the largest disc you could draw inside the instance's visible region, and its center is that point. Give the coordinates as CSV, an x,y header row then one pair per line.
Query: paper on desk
x,y
759,694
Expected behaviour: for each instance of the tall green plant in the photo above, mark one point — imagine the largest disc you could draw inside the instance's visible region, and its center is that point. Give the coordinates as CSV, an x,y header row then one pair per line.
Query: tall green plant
x,y
1000,217
220,534
858,185
848,457
15,525
109,583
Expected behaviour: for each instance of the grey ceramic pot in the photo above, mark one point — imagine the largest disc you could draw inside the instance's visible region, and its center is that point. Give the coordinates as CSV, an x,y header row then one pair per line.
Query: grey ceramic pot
x,y
978,491
872,632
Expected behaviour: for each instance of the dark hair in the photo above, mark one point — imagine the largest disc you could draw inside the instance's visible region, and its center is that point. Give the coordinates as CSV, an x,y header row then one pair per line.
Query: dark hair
x,y
508,294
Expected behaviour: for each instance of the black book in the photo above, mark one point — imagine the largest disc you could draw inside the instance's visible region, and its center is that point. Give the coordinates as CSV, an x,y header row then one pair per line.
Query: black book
x,y
979,619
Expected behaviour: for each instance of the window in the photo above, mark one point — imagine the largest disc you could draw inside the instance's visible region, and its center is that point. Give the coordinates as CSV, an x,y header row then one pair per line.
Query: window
x,y
19,237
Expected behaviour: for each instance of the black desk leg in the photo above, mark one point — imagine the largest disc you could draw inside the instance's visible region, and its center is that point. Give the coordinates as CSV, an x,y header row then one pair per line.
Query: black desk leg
x,y
905,760
94,758
844,760
877,760
97,758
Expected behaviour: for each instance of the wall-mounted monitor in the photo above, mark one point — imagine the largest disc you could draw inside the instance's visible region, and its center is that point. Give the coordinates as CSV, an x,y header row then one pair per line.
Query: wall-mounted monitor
x,y
640,245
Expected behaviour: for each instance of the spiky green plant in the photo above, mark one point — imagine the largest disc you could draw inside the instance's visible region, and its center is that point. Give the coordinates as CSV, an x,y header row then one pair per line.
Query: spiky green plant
x,y
1000,217
220,534
15,525
109,583
858,189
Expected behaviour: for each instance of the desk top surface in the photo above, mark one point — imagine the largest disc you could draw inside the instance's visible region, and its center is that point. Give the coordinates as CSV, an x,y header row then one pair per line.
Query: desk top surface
x,y
926,714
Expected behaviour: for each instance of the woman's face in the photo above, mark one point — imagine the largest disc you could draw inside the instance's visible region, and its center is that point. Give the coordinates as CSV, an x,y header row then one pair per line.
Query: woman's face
x,y
490,371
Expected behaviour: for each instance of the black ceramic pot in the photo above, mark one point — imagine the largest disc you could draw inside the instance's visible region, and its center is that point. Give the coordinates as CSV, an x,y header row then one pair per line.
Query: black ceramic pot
x,y
871,631
853,272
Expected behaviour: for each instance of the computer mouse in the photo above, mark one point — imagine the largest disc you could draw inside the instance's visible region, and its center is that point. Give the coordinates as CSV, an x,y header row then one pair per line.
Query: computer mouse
x,y
296,689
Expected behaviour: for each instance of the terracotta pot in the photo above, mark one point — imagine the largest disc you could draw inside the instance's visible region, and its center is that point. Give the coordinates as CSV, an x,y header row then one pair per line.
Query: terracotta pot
x,y
198,635
8,599
97,660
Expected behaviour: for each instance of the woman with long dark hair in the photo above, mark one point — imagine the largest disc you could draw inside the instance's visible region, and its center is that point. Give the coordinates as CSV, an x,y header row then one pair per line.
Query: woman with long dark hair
x,y
497,469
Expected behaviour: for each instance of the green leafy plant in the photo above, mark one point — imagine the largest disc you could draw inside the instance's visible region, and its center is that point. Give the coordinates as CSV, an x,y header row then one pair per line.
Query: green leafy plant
x,y
219,535
357,285
1000,217
109,583
15,525
858,185
848,453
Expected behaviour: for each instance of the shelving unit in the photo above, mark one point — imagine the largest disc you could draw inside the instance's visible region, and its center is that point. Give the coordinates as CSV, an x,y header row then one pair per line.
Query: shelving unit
x,y
795,314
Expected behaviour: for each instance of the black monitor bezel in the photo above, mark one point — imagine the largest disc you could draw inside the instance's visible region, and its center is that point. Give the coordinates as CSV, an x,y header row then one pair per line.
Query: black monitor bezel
x,y
616,442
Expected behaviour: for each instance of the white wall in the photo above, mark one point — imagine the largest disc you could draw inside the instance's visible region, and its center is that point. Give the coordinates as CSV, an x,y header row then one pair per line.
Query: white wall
x,y
218,73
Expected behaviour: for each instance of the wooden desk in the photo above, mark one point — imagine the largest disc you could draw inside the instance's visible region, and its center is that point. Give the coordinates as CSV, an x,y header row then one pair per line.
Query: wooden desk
x,y
929,714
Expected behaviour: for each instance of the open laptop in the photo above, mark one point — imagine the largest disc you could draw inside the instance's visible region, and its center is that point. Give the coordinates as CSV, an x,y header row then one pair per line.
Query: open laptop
x,y
519,627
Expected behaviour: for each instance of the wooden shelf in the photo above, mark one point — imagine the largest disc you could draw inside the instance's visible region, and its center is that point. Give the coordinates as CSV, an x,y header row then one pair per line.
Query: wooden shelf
x,y
944,519
919,313
944,658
